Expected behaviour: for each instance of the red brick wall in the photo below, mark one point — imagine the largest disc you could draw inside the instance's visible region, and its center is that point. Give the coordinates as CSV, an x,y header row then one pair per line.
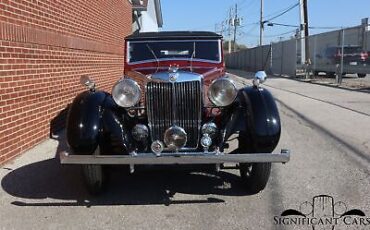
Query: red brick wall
x,y
45,46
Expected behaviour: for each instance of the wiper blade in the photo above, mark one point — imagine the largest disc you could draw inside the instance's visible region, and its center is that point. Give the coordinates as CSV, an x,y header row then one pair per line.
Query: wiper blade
x,y
191,58
155,56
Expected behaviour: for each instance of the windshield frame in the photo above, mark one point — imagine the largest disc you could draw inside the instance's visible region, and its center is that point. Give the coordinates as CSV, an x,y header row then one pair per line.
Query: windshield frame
x,y
219,41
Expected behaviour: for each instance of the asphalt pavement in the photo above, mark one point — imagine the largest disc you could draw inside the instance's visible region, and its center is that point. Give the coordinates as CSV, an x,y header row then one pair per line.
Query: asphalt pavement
x,y
327,130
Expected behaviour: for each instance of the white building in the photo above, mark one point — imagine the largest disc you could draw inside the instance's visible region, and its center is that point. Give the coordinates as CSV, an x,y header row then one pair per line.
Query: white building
x,y
147,15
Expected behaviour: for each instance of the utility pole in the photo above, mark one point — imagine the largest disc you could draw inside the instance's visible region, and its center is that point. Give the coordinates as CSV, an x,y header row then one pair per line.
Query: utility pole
x,y
305,54
308,61
230,21
302,33
236,22
220,28
261,24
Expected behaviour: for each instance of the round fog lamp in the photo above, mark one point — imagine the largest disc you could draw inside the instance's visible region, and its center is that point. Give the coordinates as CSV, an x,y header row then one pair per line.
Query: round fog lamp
x,y
140,132
205,141
222,92
175,137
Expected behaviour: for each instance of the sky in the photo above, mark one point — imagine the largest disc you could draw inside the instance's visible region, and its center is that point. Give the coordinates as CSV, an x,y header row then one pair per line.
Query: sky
x,y
205,14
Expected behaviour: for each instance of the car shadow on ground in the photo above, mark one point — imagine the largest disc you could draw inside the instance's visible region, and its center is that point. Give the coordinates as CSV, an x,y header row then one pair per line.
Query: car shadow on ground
x,y
150,185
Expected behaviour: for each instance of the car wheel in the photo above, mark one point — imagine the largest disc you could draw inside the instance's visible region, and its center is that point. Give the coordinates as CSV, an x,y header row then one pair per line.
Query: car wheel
x,y
361,75
94,176
255,176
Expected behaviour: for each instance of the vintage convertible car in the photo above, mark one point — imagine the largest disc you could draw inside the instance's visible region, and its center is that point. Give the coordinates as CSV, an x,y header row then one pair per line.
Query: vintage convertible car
x,y
174,105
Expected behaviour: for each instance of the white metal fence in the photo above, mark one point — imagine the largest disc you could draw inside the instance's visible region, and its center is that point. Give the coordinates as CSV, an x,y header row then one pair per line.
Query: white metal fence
x,y
325,54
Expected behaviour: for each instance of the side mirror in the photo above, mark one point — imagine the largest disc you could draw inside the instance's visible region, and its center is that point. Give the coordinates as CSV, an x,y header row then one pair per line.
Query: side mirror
x,y
259,78
88,82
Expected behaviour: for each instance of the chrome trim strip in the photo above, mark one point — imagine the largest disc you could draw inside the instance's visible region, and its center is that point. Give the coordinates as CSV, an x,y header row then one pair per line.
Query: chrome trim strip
x,y
180,68
182,76
173,59
179,158
175,118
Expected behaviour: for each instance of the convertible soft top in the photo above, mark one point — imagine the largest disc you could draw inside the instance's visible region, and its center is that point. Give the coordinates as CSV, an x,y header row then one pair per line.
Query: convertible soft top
x,y
164,35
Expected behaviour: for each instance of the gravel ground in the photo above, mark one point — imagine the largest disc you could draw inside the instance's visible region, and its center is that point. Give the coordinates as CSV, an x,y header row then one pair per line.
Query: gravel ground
x,y
350,81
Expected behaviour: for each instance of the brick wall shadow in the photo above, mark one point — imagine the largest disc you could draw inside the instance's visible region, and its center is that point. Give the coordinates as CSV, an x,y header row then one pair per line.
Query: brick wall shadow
x,y
58,123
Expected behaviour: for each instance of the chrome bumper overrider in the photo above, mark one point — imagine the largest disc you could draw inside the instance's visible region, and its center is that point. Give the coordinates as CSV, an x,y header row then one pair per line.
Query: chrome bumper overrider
x,y
175,158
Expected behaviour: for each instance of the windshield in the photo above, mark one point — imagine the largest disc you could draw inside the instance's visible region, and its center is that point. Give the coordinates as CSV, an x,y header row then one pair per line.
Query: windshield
x,y
162,50
352,50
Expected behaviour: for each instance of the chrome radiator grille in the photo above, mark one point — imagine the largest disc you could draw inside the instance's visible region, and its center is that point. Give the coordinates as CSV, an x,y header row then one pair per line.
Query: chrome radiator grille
x,y
174,104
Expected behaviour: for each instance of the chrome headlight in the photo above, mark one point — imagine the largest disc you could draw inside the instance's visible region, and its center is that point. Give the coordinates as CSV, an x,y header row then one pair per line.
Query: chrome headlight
x,y
222,92
126,93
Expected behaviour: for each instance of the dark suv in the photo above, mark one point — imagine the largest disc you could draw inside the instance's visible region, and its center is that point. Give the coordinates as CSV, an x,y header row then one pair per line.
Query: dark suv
x,y
353,56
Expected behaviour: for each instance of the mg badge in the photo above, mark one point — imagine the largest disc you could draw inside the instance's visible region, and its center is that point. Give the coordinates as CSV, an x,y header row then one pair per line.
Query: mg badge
x,y
173,76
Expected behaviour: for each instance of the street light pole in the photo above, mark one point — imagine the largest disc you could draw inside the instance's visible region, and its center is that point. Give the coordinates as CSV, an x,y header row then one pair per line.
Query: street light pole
x,y
305,51
236,21
261,24
302,33
229,23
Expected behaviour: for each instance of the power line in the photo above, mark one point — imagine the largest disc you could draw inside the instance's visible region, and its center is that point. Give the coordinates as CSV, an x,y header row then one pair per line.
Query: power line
x,y
249,24
277,35
252,29
251,3
284,12
281,10
310,27
281,24
273,35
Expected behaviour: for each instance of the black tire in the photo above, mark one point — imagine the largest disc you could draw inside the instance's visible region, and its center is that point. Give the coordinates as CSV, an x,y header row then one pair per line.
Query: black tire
x,y
361,75
254,175
94,176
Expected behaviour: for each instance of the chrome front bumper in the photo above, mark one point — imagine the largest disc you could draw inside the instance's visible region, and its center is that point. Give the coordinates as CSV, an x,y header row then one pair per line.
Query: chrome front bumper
x,y
176,158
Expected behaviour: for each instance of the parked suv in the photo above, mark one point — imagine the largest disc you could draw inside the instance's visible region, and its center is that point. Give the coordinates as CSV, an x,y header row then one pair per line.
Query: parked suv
x,y
353,56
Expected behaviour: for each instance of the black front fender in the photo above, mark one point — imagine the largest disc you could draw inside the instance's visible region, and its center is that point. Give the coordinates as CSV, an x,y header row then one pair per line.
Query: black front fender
x,y
94,119
83,122
256,117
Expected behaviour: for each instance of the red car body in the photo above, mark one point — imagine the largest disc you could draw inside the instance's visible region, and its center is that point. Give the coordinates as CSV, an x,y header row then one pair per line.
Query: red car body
x,y
208,69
